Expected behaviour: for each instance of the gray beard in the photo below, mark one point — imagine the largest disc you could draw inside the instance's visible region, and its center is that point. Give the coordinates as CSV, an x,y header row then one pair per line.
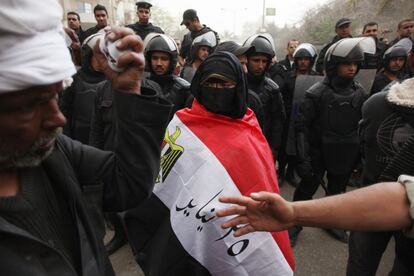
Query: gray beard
x,y
32,158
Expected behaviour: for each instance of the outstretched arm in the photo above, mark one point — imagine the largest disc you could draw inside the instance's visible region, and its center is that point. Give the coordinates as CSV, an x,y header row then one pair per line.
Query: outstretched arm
x,y
379,207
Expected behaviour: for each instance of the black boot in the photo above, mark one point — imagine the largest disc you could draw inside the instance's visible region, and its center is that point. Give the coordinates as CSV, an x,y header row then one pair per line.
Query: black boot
x,y
293,234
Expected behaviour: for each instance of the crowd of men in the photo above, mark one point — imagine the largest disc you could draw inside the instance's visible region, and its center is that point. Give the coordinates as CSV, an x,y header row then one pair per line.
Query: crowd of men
x,y
324,114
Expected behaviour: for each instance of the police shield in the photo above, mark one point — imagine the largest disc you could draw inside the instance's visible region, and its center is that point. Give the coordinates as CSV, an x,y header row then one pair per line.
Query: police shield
x,y
366,78
303,83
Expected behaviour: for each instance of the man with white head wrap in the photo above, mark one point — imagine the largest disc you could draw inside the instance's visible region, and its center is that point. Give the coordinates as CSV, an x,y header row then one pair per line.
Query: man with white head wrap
x,y
45,225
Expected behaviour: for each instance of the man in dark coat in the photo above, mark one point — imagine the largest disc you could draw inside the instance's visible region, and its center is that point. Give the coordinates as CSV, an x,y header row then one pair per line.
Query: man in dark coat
x,y
192,23
386,126
143,27
371,29
45,222
101,17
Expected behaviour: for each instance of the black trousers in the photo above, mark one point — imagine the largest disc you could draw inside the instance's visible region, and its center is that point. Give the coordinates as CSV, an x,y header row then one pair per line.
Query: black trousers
x,y
365,252
310,183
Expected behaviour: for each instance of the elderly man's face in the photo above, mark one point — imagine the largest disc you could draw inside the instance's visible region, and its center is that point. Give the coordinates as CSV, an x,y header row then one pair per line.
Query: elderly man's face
x,y
29,123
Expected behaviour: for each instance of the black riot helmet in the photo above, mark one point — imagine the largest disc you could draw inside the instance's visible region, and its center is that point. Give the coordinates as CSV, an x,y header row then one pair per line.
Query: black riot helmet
x,y
399,49
87,49
306,50
263,44
348,50
207,39
160,43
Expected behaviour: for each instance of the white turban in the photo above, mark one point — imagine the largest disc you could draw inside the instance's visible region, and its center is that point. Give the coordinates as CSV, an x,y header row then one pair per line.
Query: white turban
x,y
32,47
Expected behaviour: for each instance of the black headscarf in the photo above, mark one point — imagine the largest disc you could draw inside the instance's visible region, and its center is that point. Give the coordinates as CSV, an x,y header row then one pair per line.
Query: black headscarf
x,y
227,65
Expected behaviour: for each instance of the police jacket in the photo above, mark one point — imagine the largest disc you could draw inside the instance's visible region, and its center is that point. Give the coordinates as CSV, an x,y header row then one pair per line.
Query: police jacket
x,y
273,109
119,180
331,125
387,122
189,37
175,89
77,102
144,29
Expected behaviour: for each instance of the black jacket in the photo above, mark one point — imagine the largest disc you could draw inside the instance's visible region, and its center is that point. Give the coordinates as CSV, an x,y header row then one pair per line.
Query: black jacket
x,y
119,180
144,29
175,89
103,132
188,40
76,103
273,109
387,122
331,124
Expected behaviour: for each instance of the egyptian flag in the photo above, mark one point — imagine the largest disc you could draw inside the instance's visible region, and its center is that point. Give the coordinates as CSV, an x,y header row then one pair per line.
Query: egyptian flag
x,y
205,156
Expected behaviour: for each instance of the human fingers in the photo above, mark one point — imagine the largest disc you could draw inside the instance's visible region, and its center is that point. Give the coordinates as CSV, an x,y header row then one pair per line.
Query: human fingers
x,y
246,229
234,210
132,58
240,200
132,42
115,33
239,220
265,196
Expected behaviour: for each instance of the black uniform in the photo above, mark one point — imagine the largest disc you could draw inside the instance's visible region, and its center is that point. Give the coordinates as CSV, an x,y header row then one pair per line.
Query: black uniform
x,y
189,37
273,109
331,115
278,72
174,89
144,29
77,103
78,100
287,89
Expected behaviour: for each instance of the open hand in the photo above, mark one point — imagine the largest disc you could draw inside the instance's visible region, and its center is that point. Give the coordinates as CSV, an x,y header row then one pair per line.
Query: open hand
x,y
262,211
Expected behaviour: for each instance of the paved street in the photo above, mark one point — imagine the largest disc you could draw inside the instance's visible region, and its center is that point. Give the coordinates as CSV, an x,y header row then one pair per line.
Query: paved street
x,y
316,253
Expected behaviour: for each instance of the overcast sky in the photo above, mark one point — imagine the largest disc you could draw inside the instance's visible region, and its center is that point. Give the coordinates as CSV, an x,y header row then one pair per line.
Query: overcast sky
x,y
230,15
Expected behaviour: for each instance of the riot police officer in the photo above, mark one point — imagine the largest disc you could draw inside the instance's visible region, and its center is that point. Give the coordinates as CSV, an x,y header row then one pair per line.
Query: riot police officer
x,y
201,48
258,62
304,58
331,112
143,27
394,62
77,101
161,56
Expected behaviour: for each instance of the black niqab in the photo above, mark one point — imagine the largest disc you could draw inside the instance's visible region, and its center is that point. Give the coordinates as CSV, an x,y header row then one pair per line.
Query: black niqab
x,y
227,65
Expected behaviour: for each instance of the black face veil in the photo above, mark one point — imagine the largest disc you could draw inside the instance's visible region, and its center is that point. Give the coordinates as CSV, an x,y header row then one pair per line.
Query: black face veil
x,y
231,102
